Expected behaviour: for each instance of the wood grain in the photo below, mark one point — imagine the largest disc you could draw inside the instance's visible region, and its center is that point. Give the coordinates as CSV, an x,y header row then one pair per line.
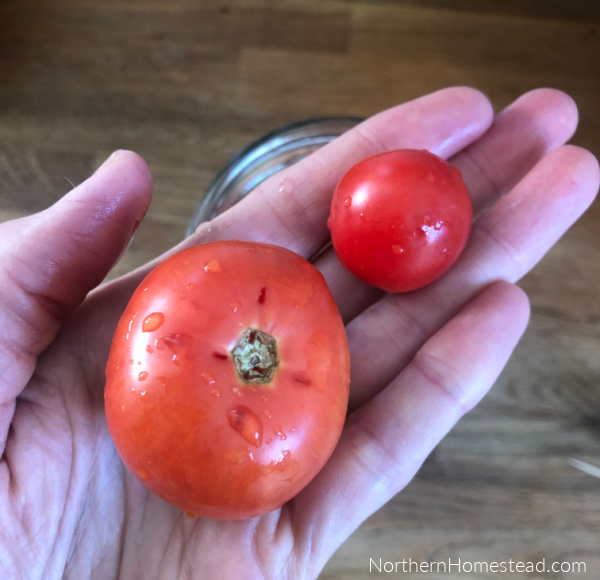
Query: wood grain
x,y
188,83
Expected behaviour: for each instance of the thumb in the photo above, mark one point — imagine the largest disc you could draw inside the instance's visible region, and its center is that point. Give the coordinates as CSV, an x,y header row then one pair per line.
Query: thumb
x,y
51,260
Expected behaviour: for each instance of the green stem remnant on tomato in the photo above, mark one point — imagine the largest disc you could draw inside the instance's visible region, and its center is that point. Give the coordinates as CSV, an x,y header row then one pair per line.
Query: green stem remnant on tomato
x,y
255,357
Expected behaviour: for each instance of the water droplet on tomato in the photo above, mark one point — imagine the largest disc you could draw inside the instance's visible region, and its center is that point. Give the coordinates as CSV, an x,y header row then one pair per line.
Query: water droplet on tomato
x,y
190,286
190,515
237,392
267,413
280,433
247,424
153,322
431,178
174,342
207,378
142,376
149,349
215,393
212,266
348,202
143,474
143,394
397,249
130,361
131,322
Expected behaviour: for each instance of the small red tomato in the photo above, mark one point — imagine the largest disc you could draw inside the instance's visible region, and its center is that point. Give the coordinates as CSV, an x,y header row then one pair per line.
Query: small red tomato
x,y
227,380
400,219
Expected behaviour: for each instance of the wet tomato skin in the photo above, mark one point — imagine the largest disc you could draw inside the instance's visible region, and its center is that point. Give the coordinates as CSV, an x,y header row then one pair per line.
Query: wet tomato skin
x,y
184,422
400,219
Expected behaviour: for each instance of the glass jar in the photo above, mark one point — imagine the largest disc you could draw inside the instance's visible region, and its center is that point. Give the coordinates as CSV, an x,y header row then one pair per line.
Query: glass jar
x,y
263,158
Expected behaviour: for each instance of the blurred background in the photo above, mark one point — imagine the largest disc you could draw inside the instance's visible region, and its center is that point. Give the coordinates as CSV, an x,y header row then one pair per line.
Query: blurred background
x,y
187,83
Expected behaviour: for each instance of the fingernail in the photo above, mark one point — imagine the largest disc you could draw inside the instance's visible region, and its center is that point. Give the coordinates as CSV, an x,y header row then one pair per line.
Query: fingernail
x,y
108,161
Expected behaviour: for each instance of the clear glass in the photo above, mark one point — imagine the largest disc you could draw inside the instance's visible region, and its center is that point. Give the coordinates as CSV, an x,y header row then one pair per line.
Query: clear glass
x,y
263,158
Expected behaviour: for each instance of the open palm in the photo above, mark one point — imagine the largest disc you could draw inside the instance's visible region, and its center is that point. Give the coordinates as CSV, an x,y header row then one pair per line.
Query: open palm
x,y
69,508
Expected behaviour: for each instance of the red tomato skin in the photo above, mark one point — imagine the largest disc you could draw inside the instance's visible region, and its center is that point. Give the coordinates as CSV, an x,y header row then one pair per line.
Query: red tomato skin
x,y
400,219
180,417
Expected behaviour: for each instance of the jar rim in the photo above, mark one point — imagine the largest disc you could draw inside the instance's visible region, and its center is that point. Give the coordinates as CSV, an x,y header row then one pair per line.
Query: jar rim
x,y
249,155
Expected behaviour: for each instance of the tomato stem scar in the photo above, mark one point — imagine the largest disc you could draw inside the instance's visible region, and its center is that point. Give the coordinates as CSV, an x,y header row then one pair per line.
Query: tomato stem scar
x,y
255,356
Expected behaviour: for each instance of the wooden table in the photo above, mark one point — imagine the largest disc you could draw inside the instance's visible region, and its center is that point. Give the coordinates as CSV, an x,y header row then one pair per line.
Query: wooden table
x,y
186,83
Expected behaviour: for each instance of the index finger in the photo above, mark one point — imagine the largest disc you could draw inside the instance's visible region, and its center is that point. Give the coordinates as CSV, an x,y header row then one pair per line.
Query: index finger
x,y
295,216
443,122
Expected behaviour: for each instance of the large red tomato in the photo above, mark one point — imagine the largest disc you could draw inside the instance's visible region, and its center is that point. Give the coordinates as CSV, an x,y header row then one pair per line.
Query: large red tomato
x,y
227,381
400,219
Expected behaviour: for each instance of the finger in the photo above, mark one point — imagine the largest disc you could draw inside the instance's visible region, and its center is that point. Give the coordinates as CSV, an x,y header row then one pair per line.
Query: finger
x,y
49,262
520,136
505,243
537,122
443,122
386,441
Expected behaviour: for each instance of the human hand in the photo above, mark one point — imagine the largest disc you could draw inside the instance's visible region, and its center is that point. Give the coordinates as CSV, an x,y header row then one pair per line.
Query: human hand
x,y
419,360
